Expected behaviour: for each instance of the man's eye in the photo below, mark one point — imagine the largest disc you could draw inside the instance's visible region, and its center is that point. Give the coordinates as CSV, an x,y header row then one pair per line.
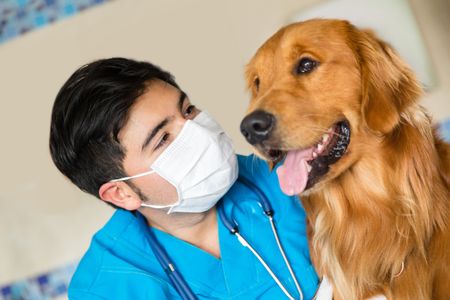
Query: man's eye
x,y
163,140
189,110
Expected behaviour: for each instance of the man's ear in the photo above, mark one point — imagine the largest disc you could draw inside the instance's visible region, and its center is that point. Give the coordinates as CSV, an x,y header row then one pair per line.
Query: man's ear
x,y
388,84
120,194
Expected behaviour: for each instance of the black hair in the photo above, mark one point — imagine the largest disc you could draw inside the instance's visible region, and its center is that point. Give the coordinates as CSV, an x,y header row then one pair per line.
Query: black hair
x,y
89,111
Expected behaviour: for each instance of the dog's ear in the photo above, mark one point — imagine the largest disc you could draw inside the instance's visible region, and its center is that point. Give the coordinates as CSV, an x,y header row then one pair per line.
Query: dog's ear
x,y
388,84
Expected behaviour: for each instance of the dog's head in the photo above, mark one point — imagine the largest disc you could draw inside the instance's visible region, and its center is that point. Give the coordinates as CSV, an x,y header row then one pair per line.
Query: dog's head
x,y
320,90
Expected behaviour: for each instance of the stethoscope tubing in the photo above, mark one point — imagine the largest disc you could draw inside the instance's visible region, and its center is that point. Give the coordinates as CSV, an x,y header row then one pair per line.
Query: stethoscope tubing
x,y
233,227
177,279
267,208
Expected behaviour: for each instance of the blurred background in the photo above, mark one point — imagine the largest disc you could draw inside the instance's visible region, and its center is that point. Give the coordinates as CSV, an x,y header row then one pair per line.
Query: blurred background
x,y
46,223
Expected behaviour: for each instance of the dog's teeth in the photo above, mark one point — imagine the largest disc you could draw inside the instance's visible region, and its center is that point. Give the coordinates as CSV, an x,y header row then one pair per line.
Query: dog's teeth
x,y
325,137
319,148
331,130
314,154
308,167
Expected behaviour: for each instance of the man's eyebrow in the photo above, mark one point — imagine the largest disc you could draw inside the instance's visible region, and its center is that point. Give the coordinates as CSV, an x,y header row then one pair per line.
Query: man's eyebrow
x,y
164,122
154,131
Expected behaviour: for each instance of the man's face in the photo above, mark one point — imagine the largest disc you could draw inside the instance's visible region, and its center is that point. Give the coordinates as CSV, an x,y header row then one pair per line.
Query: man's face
x,y
154,122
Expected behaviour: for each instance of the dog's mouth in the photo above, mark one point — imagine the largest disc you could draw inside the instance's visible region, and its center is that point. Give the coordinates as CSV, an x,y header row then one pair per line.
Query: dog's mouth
x,y
303,168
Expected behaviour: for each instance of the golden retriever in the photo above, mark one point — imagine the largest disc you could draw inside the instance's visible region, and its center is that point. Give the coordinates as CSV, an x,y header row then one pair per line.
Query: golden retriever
x,y
339,108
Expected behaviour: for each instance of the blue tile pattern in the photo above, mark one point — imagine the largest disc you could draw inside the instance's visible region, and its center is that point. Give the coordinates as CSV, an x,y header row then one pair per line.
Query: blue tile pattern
x,y
21,16
43,287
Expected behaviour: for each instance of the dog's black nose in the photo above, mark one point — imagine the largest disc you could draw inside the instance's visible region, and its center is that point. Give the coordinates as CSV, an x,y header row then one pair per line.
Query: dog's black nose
x,y
257,126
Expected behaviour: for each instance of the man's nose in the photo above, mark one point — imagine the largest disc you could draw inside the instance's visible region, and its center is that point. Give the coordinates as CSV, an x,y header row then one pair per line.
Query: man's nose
x,y
257,126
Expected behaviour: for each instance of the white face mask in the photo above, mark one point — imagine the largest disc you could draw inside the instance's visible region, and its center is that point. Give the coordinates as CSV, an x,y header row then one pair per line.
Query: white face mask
x,y
200,163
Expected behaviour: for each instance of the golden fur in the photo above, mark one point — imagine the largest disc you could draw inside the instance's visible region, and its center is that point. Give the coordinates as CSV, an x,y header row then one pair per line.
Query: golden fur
x,y
386,202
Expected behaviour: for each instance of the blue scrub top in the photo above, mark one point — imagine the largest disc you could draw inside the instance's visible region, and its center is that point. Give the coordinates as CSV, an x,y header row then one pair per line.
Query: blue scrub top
x,y
120,264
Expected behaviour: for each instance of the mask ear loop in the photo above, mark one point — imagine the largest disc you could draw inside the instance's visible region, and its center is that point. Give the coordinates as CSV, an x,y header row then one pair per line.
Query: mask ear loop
x,y
157,206
134,176
143,204
170,206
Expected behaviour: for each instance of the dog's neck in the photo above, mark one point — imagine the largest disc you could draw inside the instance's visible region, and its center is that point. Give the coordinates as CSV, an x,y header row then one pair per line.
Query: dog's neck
x,y
381,211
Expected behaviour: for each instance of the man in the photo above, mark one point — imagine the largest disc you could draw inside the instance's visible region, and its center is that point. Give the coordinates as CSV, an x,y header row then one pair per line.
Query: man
x,y
125,132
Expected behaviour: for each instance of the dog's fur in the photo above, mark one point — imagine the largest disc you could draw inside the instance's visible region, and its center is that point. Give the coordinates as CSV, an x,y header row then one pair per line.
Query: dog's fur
x,y
386,202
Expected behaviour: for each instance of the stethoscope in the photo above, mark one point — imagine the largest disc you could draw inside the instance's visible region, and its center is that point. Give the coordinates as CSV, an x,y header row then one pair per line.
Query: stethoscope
x,y
177,279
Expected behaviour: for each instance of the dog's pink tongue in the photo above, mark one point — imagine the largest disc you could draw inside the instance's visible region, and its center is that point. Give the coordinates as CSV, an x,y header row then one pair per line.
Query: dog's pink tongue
x,y
293,174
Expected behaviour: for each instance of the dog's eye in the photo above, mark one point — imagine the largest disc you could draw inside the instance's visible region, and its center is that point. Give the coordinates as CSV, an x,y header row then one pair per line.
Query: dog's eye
x,y
256,83
305,66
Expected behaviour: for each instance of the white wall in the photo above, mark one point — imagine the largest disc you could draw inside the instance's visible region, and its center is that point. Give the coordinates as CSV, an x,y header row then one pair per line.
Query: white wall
x,y
45,222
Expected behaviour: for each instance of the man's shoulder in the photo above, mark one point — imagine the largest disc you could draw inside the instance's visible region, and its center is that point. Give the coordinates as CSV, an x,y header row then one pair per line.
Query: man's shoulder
x,y
117,259
252,165
123,284
93,260
260,176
